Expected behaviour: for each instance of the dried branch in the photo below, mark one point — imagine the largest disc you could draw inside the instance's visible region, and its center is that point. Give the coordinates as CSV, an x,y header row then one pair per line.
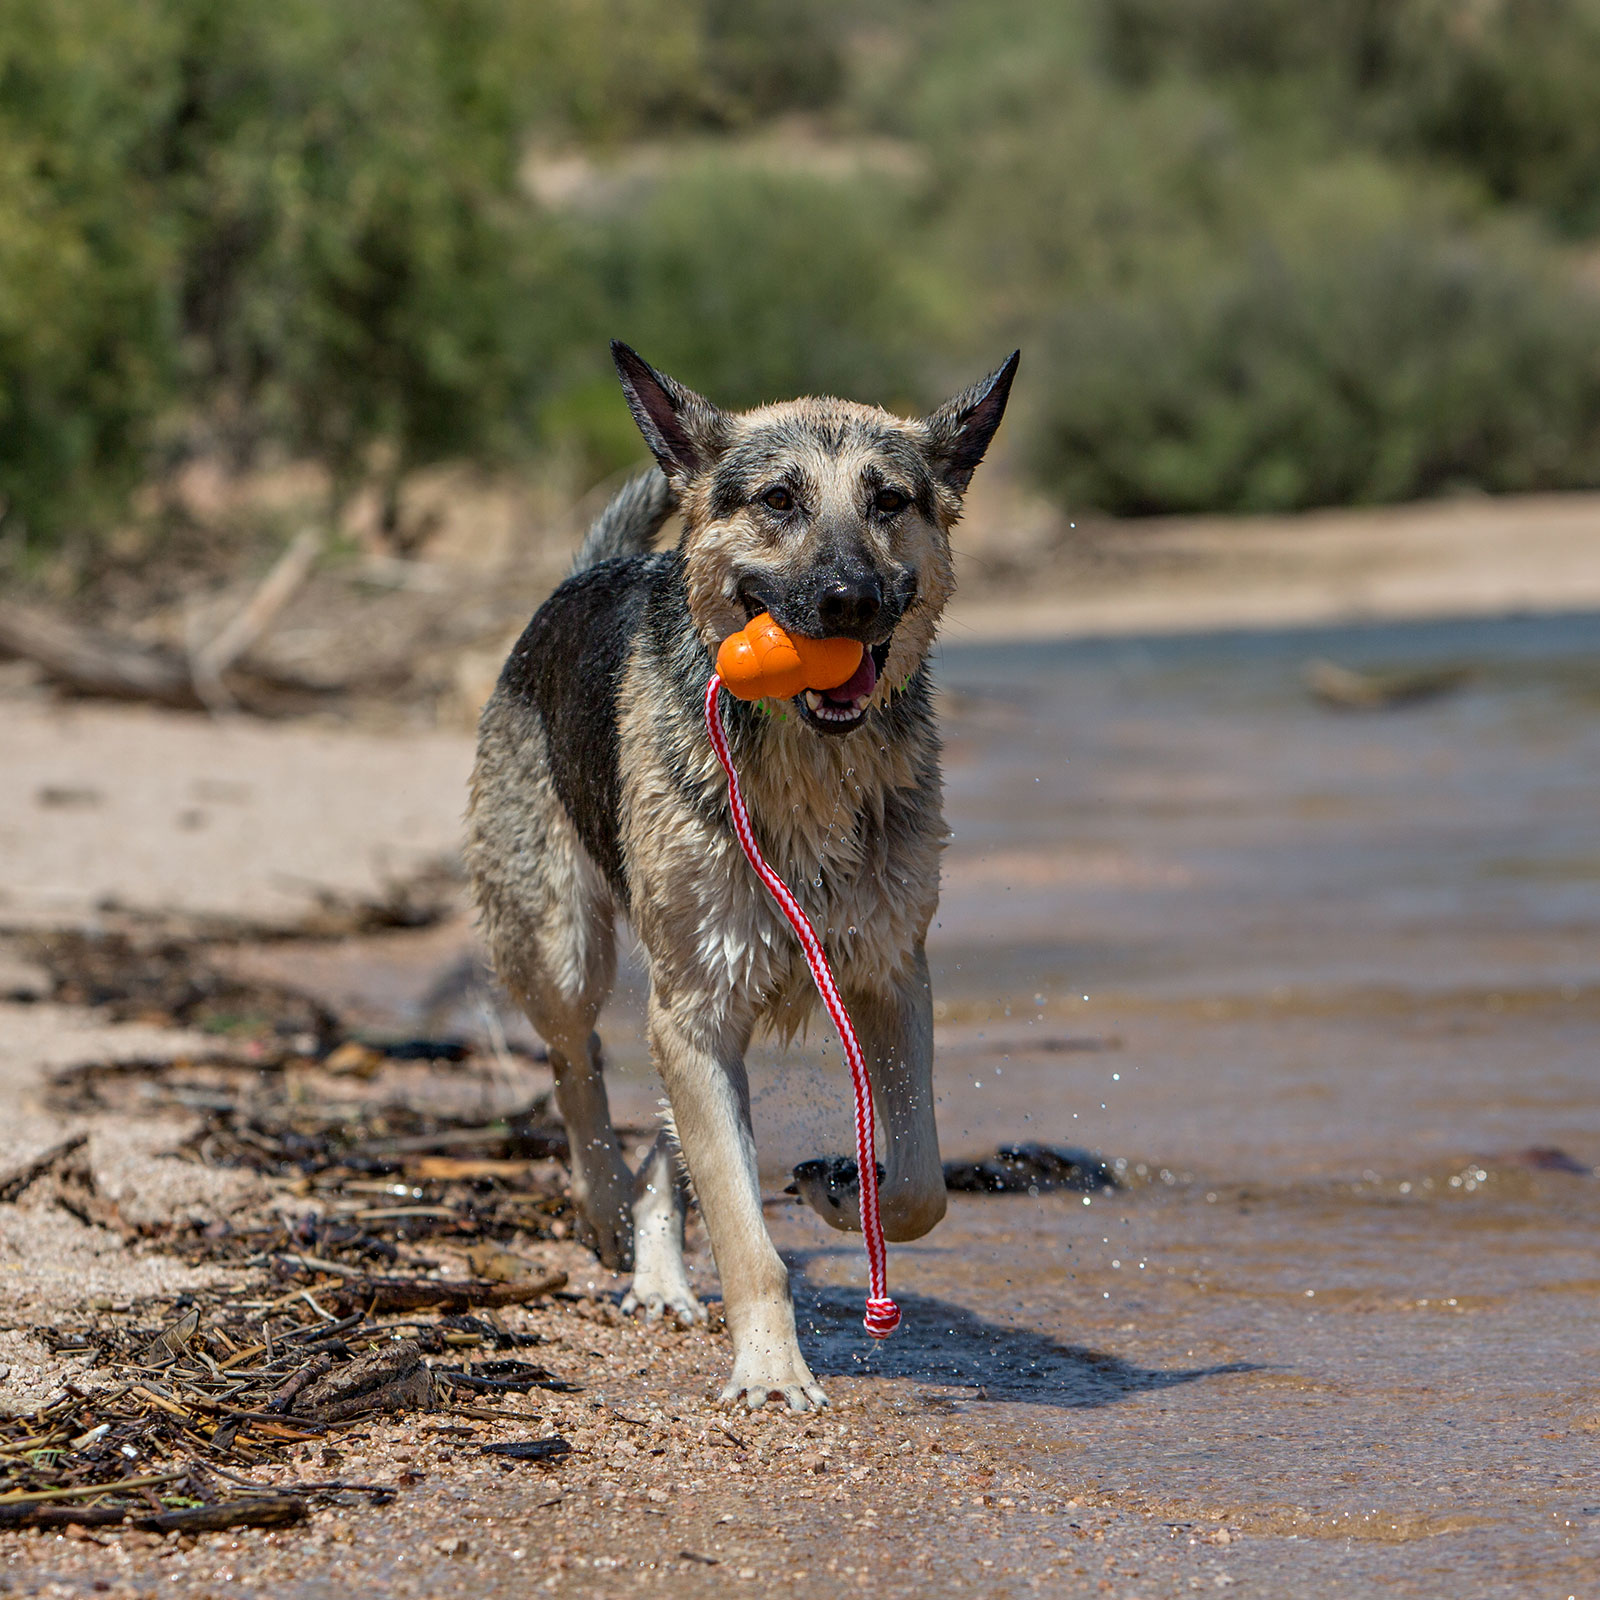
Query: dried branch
x,y
90,662
208,663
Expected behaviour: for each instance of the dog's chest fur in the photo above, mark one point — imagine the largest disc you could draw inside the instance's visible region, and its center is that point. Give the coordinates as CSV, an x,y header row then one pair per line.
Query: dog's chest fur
x,y
854,826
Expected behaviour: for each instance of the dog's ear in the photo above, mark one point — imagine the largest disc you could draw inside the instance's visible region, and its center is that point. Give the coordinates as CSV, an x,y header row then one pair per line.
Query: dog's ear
x,y
683,429
960,430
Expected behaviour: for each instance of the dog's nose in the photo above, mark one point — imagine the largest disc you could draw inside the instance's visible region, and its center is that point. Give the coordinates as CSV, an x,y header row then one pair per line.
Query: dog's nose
x,y
849,605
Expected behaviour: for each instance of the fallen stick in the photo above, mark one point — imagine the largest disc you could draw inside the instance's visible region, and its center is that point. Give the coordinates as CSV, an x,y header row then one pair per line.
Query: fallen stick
x,y
208,663
12,1183
322,1486
95,663
91,662
254,1511
89,1490
454,1294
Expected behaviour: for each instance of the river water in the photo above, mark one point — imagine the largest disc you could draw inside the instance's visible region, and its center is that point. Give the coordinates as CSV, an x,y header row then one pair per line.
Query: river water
x,y
1329,983
1327,986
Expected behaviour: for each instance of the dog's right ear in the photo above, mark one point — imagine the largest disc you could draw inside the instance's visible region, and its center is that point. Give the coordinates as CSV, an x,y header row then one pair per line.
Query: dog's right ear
x,y
684,430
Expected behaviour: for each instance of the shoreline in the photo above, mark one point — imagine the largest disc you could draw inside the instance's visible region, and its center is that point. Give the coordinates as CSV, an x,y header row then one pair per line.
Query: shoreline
x,y
1434,560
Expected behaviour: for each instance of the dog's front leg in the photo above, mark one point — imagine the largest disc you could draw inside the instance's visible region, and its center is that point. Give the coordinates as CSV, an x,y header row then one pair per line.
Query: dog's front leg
x,y
896,1030
895,1027
660,1201
701,1062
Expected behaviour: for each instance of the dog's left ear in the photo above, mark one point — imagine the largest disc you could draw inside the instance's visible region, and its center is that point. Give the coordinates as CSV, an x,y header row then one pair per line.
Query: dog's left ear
x,y
683,429
960,430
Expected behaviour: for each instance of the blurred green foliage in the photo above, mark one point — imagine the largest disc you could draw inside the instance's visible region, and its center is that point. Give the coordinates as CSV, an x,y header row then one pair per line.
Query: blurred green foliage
x,y
754,286
1355,369
1261,253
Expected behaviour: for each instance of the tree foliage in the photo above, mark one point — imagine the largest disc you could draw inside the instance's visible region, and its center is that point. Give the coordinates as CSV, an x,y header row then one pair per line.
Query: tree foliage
x,y
1276,252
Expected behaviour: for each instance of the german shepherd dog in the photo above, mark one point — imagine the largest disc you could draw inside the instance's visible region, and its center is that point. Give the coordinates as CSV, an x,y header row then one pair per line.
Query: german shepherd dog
x,y
596,790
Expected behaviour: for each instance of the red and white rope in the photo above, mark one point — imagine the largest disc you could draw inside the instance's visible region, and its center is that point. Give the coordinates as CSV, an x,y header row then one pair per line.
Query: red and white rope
x,y
883,1315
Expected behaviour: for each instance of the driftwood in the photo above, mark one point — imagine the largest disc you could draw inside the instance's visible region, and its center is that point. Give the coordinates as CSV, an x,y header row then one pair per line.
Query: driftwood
x,y
392,1377
90,662
446,1294
208,678
252,1511
208,663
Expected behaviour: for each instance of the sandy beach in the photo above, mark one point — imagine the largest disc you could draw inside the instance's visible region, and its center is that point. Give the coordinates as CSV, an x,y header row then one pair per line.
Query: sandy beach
x,y
1323,982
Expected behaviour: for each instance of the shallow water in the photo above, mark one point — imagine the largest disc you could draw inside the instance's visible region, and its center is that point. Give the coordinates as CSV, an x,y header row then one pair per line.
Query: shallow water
x,y
1329,985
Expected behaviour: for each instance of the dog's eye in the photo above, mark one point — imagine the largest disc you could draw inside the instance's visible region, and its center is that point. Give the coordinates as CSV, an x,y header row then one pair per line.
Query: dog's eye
x,y
778,499
889,501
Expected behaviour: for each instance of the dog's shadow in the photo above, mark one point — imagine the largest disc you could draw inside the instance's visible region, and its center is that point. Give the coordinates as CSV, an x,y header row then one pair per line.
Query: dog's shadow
x,y
938,1342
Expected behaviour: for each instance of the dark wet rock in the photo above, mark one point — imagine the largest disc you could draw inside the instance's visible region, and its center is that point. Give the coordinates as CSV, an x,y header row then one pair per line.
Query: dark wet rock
x,y
539,1450
1031,1169
830,1183
1549,1158
1345,689
507,1377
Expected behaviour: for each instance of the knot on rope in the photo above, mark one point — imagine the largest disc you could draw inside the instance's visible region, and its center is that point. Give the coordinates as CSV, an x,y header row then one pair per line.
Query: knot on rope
x,y
882,1318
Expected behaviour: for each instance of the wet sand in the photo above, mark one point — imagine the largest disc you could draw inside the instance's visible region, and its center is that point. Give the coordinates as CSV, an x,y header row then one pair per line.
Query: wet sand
x,y
1328,984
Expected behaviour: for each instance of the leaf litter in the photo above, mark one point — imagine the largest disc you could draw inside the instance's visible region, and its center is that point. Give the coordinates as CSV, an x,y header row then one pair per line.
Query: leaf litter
x,y
340,1310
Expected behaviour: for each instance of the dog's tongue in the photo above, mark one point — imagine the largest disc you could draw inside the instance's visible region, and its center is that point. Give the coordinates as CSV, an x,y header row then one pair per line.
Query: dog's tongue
x,y
864,681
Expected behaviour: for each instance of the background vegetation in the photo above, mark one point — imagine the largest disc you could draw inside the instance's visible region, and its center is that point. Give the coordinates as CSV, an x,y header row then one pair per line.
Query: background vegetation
x,y
1263,253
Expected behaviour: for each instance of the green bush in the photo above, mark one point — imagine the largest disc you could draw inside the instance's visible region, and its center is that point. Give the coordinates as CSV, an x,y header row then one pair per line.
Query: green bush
x,y
1508,91
301,224
752,285
88,354
1503,90
302,228
1375,369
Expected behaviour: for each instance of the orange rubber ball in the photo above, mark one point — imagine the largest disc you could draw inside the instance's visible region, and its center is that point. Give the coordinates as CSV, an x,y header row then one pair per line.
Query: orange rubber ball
x,y
761,661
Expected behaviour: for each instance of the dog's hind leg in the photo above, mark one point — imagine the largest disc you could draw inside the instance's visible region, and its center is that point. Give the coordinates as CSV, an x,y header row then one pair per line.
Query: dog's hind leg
x,y
601,1186
701,1062
660,1203
895,1027
549,921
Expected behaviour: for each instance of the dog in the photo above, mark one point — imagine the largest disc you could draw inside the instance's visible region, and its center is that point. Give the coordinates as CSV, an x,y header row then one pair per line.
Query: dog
x,y
596,792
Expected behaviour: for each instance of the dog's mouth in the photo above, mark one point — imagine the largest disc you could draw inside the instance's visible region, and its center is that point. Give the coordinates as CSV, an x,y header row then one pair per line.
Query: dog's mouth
x,y
845,708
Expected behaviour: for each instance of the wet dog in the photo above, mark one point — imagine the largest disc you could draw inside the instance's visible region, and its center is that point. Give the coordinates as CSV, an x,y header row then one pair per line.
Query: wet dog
x,y
596,791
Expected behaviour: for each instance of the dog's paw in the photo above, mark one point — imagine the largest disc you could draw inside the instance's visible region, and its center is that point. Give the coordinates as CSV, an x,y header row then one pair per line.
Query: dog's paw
x,y
831,1186
773,1379
611,1240
661,1301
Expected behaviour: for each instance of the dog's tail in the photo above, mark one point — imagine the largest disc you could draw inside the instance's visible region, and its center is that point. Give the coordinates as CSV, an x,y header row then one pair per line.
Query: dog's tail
x,y
629,524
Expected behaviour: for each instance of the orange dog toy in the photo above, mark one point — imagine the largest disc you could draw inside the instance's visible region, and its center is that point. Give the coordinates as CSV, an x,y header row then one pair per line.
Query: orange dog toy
x,y
761,661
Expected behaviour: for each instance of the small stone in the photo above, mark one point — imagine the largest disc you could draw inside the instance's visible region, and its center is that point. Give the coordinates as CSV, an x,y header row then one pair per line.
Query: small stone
x,y
813,1461
455,1547
657,1496
1222,1536
5,1372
